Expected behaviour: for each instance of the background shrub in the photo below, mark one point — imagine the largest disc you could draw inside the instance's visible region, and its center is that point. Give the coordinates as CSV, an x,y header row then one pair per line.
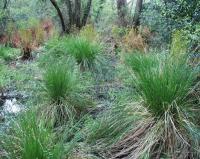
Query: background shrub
x,y
179,43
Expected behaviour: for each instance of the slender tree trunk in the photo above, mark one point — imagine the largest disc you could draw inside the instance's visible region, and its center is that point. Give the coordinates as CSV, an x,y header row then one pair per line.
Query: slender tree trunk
x,y
4,22
122,10
70,13
138,10
86,12
54,3
78,13
5,4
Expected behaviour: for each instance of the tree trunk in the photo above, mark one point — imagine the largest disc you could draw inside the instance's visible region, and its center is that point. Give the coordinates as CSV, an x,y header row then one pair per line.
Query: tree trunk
x,y
122,12
86,12
54,3
78,13
70,13
5,4
138,10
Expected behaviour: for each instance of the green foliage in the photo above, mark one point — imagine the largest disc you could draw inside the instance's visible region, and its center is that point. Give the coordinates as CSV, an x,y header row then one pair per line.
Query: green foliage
x,y
98,6
60,81
182,10
1,77
104,15
62,86
162,81
28,138
56,44
30,23
7,53
158,24
55,48
119,32
179,43
4,76
88,32
114,123
164,17
4,15
84,51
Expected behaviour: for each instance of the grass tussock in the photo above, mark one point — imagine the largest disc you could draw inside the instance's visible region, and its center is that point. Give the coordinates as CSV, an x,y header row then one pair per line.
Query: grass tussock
x,y
84,51
62,86
165,131
60,81
163,138
113,124
81,48
28,138
161,81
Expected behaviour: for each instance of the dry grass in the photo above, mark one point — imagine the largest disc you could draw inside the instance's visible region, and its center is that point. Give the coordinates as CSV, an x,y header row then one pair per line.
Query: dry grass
x,y
156,139
169,129
134,41
88,32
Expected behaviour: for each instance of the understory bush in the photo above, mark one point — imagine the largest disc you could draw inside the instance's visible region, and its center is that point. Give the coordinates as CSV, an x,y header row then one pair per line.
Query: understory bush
x,y
57,46
88,32
136,40
7,53
179,43
160,25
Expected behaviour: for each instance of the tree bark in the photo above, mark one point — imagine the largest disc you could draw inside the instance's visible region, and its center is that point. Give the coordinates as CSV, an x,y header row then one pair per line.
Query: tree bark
x,y
5,4
138,10
54,3
78,13
122,12
70,13
86,12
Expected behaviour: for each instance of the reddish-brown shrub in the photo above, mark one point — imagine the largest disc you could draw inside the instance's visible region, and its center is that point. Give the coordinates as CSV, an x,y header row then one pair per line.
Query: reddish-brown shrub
x,y
134,40
15,40
3,39
47,26
26,43
28,39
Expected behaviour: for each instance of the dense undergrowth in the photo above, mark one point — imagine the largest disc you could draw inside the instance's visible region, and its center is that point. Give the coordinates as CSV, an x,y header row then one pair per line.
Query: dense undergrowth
x,y
147,107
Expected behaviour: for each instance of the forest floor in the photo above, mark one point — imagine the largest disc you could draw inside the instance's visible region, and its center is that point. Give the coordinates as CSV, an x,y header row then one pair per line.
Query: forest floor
x,y
24,82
